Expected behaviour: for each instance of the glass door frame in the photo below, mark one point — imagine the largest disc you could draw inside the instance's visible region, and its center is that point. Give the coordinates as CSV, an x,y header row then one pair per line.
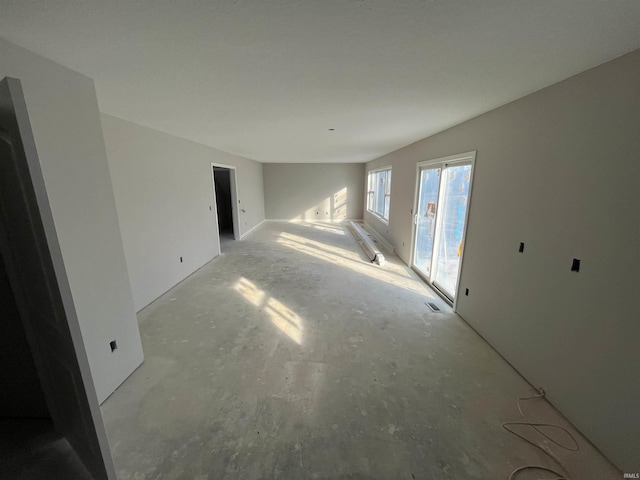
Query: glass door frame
x,y
442,163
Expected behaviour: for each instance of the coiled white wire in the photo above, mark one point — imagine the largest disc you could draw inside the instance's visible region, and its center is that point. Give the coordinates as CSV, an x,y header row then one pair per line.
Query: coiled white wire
x,y
564,475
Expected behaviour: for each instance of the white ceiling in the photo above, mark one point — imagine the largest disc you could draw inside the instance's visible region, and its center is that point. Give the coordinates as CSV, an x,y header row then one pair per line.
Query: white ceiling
x,y
266,79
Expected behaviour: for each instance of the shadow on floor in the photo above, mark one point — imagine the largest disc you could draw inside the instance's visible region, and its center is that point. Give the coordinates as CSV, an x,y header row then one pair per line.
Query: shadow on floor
x,y
31,449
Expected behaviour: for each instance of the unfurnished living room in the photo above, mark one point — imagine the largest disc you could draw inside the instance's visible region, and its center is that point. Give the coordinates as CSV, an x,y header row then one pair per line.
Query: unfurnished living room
x,y
298,239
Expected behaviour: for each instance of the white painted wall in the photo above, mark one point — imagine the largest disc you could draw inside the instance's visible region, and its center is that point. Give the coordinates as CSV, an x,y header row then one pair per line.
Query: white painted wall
x,y
66,125
314,191
163,187
558,170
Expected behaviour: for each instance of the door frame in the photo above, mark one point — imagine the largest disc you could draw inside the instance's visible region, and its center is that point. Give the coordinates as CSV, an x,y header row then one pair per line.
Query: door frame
x,y
235,203
466,157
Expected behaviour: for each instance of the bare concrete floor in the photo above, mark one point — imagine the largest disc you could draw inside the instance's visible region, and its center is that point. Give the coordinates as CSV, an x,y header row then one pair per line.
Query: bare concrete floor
x,y
292,357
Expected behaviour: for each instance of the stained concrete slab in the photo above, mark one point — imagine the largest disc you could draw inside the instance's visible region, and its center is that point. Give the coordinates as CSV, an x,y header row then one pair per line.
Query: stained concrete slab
x,y
291,356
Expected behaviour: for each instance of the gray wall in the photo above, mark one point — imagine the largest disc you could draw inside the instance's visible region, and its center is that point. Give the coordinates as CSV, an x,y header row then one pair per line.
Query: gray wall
x,y
64,115
163,187
312,191
558,170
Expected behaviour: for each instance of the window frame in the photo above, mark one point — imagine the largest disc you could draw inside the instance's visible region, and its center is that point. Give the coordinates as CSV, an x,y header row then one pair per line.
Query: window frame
x,y
373,192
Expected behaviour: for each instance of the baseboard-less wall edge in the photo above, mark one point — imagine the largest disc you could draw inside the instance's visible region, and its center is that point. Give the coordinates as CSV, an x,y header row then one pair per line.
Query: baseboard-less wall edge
x,y
379,237
125,378
549,397
178,283
251,230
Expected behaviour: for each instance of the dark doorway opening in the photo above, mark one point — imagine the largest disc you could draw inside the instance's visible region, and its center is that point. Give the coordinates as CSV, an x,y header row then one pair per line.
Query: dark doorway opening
x,y
19,378
224,204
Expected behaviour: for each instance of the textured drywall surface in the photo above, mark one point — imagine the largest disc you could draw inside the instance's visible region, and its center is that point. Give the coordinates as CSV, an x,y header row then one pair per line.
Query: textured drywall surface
x,y
66,126
332,192
163,186
557,170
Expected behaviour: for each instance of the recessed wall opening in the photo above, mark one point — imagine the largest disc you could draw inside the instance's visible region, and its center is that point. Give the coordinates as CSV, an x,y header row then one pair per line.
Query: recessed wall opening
x,y
226,203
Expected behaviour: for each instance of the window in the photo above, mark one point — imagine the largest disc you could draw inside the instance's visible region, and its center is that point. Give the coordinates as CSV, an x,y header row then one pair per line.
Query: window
x,y
379,192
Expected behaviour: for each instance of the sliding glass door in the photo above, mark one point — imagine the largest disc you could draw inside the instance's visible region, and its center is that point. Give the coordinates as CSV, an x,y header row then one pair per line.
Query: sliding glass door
x,y
440,221
426,219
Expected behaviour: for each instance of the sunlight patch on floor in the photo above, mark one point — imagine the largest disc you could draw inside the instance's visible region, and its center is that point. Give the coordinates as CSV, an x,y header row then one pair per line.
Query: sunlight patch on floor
x,y
324,227
350,260
343,252
287,321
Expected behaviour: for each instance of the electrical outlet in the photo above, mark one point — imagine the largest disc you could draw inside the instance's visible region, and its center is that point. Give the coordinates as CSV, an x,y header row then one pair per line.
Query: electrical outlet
x,y
521,248
466,292
180,259
113,345
575,265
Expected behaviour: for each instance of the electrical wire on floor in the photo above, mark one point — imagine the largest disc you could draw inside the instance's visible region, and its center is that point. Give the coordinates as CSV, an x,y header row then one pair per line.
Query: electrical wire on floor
x,y
537,427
